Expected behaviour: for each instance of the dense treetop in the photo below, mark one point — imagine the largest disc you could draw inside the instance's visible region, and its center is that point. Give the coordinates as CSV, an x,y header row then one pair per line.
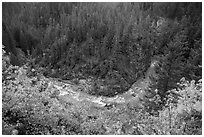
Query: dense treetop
x,y
115,47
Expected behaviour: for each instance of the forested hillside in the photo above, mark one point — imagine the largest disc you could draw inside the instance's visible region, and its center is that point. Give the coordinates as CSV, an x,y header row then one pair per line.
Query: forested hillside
x,y
148,54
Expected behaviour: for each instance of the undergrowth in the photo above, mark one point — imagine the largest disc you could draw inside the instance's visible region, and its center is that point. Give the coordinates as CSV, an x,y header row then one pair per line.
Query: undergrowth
x,y
30,107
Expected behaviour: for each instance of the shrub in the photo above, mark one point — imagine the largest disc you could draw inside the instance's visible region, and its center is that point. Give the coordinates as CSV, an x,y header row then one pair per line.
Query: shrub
x,y
182,114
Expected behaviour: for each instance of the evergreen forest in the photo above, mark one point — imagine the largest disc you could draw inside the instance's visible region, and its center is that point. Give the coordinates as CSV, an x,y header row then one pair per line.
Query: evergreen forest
x,y
102,68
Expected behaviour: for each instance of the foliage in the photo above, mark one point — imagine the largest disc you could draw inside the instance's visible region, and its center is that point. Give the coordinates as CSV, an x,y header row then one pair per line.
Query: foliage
x,y
31,105
110,46
183,111
77,41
